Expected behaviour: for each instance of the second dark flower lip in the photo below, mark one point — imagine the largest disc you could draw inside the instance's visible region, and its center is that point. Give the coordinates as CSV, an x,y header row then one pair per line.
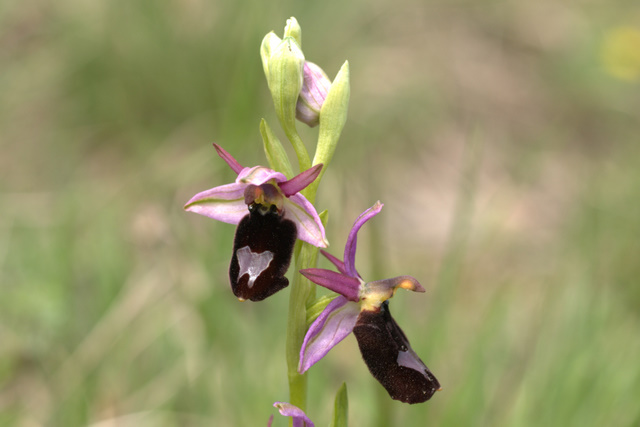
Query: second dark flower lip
x,y
390,358
363,308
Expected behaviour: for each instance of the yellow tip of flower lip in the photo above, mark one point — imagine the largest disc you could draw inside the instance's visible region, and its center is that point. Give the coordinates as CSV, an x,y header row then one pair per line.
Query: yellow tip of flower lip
x,y
407,284
410,284
241,299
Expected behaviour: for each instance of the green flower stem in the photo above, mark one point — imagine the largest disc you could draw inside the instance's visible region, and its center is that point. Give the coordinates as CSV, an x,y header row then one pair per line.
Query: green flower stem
x,y
302,290
304,161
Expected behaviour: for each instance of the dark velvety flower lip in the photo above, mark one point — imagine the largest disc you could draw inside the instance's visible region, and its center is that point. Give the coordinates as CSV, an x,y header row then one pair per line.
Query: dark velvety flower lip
x,y
390,358
262,252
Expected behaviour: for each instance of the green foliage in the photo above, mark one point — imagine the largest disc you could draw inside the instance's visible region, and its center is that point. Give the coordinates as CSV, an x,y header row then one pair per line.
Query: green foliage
x,y
341,408
274,151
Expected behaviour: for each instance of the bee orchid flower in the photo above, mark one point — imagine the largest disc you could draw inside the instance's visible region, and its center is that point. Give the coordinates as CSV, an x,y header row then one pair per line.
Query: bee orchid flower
x,y
270,213
363,308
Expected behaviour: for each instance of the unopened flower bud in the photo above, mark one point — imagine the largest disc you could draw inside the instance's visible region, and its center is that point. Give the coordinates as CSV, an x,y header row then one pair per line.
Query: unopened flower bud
x,y
269,44
284,76
315,88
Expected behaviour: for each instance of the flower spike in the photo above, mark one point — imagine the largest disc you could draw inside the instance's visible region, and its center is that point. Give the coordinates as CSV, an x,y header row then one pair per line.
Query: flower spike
x,y
363,308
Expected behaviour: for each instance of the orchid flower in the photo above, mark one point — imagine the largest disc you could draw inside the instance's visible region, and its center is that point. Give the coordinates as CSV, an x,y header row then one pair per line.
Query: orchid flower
x,y
300,419
363,308
270,214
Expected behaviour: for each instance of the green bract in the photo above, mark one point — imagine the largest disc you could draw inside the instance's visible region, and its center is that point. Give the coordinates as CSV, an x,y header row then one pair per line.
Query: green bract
x,y
333,116
274,150
269,44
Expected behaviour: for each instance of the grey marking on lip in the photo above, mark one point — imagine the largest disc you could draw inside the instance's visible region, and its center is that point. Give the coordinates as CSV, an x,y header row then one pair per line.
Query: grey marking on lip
x,y
410,360
252,263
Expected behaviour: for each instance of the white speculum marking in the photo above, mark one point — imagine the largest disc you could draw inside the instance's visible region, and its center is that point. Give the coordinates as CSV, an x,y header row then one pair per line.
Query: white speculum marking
x,y
252,263
410,360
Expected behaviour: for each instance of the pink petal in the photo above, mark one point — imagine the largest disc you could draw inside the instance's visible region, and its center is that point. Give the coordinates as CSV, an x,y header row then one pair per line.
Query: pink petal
x,y
334,323
300,181
224,203
346,286
335,261
258,175
300,419
310,229
233,163
352,240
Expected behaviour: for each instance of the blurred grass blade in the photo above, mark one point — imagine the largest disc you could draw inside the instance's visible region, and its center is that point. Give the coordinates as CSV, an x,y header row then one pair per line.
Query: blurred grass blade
x,y
341,408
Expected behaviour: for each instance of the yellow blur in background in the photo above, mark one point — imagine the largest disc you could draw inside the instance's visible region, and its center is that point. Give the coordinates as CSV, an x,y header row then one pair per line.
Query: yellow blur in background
x,y
621,53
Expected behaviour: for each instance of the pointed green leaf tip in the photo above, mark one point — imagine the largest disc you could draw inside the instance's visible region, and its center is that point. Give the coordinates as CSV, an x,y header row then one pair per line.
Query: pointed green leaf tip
x,y
292,29
268,46
341,408
333,116
273,149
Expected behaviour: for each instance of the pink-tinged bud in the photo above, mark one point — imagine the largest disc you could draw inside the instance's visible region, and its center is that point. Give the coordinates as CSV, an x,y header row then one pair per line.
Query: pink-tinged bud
x,y
315,88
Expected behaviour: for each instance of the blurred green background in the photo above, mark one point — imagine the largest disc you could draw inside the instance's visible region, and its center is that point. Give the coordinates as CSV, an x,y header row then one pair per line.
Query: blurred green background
x,y
502,136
